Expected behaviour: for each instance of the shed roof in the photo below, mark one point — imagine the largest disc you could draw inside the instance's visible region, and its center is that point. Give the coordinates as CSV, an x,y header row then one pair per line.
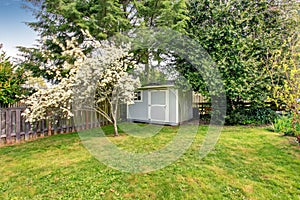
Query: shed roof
x,y
163,85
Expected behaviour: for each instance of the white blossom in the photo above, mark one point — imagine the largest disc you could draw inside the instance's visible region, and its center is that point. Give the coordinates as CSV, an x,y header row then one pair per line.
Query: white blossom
x,y
51,100
103,77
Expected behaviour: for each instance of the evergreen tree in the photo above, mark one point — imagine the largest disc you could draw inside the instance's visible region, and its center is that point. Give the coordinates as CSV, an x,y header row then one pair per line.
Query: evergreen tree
x,y
240,36
65,19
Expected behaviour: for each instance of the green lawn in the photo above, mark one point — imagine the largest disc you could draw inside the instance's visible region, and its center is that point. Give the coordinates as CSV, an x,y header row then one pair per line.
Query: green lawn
x,y
247,163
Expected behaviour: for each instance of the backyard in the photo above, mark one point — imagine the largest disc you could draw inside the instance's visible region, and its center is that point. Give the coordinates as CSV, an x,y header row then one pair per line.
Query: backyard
x,y
246,163
67,100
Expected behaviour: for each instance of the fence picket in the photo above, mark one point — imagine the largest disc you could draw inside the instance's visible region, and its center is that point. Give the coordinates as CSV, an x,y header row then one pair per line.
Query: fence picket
x,y
18,125
8,127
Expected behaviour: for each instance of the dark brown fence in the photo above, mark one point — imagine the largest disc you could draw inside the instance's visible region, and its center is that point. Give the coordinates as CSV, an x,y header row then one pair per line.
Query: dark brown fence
x,y
14,129
202,107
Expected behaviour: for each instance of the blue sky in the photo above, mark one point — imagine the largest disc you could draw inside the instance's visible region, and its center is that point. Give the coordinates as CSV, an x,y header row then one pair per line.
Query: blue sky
x,y
13,31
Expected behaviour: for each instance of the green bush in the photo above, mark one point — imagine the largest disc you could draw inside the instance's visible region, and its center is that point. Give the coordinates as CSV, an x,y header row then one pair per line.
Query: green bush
x,y
11,80
251,115
283,125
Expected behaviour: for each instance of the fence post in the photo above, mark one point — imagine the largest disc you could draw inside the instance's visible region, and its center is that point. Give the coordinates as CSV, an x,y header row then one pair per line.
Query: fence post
x,y
2,126
8,126
18,125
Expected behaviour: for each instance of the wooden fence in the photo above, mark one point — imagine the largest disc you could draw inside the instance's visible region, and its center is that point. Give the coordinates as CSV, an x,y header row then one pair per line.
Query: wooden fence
x,y
204,108
201,107
14,129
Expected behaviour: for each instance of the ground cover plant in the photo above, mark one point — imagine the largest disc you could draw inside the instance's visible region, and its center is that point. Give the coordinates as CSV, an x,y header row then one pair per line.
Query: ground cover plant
x,y
247,163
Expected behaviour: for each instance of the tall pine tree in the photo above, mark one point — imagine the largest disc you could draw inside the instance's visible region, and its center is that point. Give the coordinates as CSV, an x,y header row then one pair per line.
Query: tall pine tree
x,y
64,19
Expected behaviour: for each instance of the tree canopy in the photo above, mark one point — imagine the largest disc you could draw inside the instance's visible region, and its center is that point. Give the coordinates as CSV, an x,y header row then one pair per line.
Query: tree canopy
x,y
240,36
65,19
11,80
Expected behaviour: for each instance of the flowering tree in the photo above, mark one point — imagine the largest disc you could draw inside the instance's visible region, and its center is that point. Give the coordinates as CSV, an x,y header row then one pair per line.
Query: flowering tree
x,y
53,99
49,103
103,75
105,78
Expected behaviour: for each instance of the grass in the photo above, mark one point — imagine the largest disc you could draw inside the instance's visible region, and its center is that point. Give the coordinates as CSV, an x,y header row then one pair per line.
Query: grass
x,y
247,163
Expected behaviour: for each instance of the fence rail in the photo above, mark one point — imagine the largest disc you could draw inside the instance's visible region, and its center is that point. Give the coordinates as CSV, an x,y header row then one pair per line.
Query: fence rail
x,y
14,129
13,105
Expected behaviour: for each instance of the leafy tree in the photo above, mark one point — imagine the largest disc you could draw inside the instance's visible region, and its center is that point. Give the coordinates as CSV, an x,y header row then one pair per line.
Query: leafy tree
x,y
240,36
11,80
285,71
166,14
65,19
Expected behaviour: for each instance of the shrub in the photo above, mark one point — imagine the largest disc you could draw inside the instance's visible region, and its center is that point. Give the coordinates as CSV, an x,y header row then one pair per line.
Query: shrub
x,y
283,125
11,80
252,115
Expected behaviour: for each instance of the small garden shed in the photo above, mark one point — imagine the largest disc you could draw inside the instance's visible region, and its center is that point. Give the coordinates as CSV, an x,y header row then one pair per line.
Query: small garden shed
x,y
161,104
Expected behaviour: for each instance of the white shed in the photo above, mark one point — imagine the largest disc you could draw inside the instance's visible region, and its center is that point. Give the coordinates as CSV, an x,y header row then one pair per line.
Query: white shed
x,y
161,104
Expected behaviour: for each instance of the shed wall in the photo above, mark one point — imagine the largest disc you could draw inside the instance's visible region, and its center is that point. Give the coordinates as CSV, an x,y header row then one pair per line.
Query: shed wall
x,y
185,105
179,107
139,110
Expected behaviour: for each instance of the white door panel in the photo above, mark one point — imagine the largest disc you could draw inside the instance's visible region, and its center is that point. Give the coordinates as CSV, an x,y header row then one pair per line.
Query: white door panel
x,y
158,108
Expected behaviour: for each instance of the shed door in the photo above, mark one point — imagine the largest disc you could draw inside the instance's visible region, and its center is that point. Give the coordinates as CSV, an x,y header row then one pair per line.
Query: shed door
x,y
158,107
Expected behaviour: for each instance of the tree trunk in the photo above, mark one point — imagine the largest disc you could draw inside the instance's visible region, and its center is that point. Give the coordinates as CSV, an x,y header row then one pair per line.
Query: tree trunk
x,y
147,67
49,128
295,121
230,105
116,133
114,111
